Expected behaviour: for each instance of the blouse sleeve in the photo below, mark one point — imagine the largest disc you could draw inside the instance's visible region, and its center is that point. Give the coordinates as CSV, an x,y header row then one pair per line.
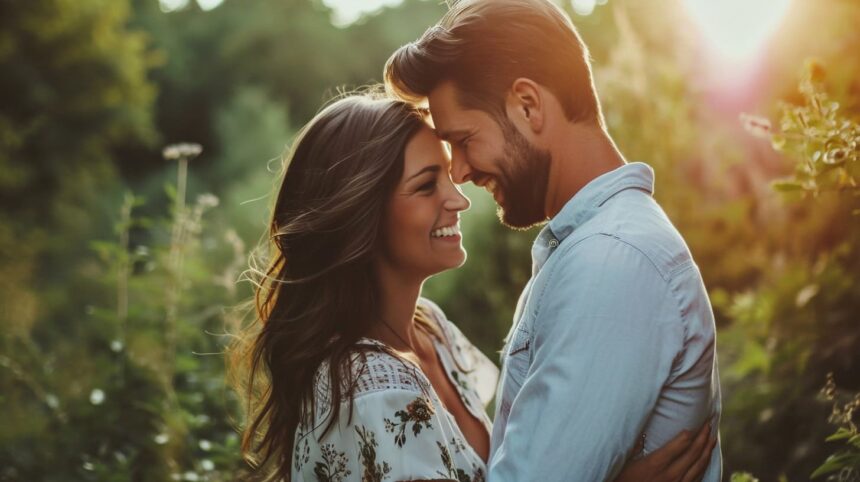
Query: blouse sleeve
x,y
394,435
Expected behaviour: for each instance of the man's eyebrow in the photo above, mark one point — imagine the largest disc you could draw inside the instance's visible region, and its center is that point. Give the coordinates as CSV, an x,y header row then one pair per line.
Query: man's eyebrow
x,y
447,135
431,168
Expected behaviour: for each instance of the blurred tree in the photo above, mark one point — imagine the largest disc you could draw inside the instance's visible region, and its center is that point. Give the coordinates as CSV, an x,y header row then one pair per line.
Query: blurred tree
x,y
800,322
73,88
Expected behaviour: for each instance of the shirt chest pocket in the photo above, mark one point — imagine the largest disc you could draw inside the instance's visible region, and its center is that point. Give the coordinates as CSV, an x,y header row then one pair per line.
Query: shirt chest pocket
x,y
519,355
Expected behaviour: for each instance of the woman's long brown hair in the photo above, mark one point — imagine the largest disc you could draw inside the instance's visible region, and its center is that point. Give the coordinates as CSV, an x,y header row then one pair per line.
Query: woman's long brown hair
x,y
318,293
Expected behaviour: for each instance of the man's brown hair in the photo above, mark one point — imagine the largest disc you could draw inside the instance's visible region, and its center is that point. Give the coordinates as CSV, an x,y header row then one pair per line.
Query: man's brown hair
x,y
484,45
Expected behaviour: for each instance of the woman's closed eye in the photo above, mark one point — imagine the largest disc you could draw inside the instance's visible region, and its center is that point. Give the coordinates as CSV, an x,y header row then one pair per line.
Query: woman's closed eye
x,y
428,187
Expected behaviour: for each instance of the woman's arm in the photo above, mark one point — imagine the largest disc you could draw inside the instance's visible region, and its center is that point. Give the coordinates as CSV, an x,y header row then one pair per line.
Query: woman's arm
x,y
683,459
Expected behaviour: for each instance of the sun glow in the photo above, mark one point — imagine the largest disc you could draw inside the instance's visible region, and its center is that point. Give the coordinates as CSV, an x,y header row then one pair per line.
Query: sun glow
x,y
737,29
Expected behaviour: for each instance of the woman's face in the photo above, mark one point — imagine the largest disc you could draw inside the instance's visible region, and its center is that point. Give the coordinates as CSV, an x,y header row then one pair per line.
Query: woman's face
x,y
422,228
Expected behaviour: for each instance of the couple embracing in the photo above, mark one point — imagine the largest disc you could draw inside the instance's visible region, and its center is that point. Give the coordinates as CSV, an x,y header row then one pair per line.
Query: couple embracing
x,y
609,369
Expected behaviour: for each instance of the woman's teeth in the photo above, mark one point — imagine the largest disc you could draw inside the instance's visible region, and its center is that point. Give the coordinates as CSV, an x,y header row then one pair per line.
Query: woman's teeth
x,y
446,231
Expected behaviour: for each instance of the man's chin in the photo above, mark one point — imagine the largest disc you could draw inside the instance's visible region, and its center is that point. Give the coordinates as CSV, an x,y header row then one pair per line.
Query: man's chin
x,y
519,221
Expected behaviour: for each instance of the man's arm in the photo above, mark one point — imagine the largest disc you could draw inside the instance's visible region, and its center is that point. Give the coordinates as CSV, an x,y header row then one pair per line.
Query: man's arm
x,y
606,332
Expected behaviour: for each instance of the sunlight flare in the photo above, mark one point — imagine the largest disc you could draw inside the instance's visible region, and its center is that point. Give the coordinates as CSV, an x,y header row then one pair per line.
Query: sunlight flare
x,y
737,29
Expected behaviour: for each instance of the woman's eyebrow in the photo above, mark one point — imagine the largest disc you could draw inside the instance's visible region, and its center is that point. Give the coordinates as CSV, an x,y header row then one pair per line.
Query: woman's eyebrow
x,y
433,168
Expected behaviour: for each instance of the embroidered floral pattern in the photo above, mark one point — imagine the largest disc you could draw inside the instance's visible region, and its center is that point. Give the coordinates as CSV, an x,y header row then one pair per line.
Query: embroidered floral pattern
x,y
457,473
458,445
392,399
333,467
418,412
302,452
371,471
463,385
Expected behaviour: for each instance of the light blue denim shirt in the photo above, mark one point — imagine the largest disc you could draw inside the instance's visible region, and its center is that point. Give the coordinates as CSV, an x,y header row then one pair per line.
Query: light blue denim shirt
x,y
613,336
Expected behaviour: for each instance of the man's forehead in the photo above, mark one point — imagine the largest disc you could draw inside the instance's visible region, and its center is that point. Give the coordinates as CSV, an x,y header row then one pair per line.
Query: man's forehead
x,y
445,111
442,100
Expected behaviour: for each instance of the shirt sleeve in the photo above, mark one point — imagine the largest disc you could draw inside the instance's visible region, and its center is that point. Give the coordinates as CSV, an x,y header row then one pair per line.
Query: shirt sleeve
x,y
604,339
392,435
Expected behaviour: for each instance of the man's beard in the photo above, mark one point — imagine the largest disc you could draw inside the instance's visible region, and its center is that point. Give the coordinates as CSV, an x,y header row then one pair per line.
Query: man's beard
x,y
523,180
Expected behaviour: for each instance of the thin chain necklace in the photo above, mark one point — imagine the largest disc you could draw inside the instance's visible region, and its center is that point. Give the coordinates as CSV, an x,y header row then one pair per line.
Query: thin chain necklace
x,y
398,335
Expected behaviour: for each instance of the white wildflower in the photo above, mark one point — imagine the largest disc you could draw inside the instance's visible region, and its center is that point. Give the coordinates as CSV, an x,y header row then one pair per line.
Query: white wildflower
x,y
805,295
97,396
183,150
207,200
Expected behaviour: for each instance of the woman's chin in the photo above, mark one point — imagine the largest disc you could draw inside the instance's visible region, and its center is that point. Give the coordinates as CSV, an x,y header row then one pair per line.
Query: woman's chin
x,y
449,263
455,261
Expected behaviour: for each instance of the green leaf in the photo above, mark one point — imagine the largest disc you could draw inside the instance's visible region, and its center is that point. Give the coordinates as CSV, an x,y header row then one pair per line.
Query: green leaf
x,y
832,464
743,477
786,185
841,434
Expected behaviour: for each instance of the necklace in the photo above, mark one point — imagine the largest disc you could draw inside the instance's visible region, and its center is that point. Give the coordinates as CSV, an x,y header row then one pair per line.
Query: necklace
x,y
397,335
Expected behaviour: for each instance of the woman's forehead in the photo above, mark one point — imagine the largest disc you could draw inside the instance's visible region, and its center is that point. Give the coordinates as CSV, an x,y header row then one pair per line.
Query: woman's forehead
x,y
424,149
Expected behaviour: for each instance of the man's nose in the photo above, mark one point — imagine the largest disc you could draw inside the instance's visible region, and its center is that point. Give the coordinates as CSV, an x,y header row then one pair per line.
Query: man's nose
x,y
460,170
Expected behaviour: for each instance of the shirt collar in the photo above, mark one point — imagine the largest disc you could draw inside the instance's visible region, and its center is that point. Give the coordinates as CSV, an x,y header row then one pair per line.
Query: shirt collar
x,y
585,203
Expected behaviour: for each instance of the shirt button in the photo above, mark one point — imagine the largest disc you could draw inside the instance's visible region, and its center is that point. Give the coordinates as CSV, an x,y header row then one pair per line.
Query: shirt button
x,y
553,243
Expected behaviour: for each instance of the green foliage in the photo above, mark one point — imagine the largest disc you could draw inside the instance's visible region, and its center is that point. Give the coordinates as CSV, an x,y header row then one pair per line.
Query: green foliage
x,y
743,477
826,143
800,322
844,465
147,398
73,88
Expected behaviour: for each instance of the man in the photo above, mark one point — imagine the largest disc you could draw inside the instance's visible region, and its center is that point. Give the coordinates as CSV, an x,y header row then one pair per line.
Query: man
x,y
614,334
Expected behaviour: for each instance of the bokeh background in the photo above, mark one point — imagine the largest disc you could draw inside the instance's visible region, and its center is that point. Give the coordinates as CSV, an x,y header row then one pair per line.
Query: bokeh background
x,y
120,267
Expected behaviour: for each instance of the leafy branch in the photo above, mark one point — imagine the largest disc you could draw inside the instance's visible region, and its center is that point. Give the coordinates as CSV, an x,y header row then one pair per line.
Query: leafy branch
x,y
825,142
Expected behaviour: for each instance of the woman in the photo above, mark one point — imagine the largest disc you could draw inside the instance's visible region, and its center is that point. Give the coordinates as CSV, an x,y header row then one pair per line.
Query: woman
x,y
351,375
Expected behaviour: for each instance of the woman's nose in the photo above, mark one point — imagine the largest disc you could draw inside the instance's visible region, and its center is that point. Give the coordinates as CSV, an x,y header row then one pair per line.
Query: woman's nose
x,y
456,200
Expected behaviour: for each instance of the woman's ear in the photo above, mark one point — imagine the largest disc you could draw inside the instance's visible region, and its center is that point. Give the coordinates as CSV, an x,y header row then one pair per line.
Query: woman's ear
x,y
525,105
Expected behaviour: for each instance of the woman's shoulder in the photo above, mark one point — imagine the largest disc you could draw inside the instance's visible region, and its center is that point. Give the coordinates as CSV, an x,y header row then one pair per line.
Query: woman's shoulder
x,y
371,371
458,342
380,371
435,313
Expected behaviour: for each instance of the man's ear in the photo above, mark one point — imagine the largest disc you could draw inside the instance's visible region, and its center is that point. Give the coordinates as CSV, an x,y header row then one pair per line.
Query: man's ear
x,y
525,105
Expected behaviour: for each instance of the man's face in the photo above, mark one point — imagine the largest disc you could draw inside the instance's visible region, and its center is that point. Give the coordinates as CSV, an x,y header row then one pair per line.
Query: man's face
x,y
493,154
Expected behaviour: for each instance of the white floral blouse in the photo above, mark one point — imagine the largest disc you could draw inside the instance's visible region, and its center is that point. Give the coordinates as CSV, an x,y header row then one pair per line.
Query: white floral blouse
x,y
399,428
